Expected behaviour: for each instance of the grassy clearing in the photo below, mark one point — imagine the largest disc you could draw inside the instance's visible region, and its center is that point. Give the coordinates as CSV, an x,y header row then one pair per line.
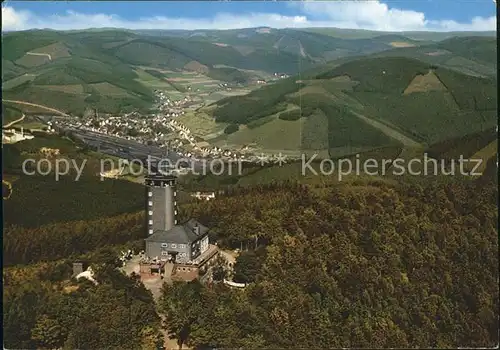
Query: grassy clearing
x,y
109,90
152,82
276,134
56,50
196,67
341,82
70,89
9,84
178,74
31,125
401,44
201,124
31,61
259,122
423,83
229,93
310,89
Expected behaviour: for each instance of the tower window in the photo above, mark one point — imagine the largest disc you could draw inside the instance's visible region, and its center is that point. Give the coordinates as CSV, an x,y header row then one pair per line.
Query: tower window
x,y
150,194
150,203
164,245
150,212
150,232
173,245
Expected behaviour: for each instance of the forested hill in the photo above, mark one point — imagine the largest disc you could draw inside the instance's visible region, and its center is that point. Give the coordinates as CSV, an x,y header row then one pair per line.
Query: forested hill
x,y
365,265
426,102
362,264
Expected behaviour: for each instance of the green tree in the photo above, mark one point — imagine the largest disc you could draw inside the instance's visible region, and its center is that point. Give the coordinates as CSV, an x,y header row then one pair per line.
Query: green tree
x,y
48,333
248,265
181,304
219,273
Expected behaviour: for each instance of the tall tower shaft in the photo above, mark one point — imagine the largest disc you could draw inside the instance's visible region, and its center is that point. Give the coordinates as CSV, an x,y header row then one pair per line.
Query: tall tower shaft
x,y
160,202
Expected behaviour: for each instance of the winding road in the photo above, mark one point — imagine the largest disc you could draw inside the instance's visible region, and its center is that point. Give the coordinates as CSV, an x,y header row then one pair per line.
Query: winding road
x,y
40,54
37,105
6,126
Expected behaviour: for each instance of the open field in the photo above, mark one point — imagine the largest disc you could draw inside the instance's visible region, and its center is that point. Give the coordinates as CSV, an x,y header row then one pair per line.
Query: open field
x,y
55,51
234,92
70,89
276,134
201,124
31,61
423,83
187,82
401,44
153,82
109,90
18,81
31,125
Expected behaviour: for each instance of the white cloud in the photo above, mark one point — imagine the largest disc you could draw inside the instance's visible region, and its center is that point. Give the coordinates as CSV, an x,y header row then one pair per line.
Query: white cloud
x,y
372,15
14,20
376,15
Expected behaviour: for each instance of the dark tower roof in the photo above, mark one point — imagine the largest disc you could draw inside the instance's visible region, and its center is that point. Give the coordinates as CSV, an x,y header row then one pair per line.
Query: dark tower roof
x,y
186,233
160,177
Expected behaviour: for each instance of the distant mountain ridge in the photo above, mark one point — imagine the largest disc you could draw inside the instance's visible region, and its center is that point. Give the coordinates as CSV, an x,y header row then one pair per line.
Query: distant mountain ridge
x,y
98,66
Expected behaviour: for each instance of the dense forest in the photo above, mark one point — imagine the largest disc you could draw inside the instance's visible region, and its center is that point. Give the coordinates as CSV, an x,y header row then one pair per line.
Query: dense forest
x,y
359,265
44,309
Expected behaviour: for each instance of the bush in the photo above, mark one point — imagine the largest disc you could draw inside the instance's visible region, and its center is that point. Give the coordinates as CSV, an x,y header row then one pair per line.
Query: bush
x,y
291,115
231,128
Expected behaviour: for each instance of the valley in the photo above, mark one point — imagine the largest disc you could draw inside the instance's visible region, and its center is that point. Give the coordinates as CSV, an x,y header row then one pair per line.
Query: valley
x,y
191,189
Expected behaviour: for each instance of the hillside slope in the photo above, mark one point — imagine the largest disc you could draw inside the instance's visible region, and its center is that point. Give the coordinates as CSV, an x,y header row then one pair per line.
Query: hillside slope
x,y
75,70
423,101
470,55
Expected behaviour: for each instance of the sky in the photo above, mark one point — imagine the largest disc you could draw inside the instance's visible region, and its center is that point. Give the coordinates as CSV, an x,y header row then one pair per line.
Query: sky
x,y
396,15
